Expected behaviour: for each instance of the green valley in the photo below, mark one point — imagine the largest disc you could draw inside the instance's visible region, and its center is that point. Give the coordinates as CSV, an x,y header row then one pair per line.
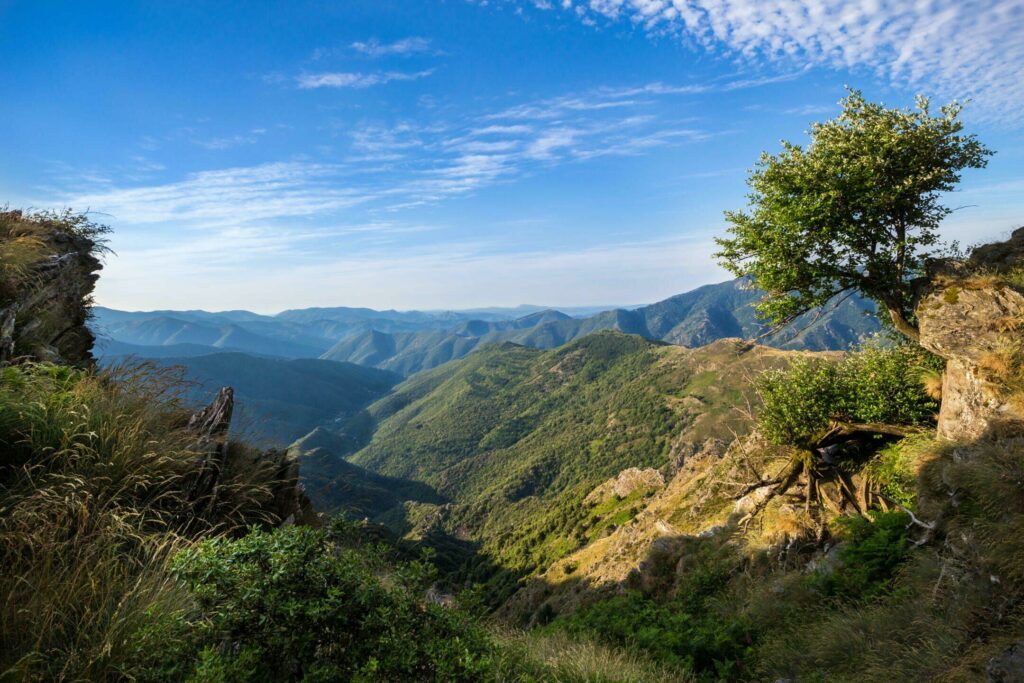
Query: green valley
x,y
515,438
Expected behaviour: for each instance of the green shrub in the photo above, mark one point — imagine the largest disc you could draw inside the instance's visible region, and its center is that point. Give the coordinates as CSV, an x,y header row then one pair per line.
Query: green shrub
x,y
894,469
685,631
798,401
289,605
872,551
875,384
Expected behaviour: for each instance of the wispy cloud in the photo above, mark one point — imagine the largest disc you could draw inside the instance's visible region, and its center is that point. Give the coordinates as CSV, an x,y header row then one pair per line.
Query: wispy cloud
x,y
347,79
227,142
390,168
405,46
955,48
233,196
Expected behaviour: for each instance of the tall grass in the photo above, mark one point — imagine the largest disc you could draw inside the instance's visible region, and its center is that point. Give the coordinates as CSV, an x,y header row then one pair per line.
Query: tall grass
x,y
94,472
955,604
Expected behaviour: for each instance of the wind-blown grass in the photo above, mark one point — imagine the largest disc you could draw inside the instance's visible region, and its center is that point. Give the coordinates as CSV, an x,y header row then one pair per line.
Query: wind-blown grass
x,y
93,503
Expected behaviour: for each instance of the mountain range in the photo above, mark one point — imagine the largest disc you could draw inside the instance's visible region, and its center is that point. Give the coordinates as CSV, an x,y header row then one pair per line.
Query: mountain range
x,y
278,400
501,448
410,341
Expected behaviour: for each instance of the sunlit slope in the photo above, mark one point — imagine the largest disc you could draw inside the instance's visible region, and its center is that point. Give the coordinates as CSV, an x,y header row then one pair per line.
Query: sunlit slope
x,y
517,437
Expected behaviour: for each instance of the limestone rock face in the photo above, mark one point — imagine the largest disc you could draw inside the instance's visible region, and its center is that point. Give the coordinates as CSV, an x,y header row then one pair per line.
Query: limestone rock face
x,y
967,322
45,318
963,326
629,480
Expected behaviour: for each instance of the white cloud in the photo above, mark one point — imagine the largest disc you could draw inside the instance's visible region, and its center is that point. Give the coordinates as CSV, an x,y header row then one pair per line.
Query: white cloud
x,y
232,196
222,143
953,48
406,46
345,79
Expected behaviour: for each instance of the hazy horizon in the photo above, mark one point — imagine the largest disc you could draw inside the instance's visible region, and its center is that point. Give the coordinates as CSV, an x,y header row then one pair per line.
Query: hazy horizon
x,y
461,155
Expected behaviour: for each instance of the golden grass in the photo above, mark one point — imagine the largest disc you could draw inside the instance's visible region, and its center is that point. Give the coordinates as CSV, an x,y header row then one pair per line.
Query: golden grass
x,y
92,506
997,364
559,658
931,381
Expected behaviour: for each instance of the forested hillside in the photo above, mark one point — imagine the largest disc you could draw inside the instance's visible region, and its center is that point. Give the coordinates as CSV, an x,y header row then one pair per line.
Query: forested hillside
x,y
279,400
515,438
692,319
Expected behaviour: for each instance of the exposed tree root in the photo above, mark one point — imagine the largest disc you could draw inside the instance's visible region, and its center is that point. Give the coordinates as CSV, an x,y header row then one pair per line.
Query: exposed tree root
x,y
816,466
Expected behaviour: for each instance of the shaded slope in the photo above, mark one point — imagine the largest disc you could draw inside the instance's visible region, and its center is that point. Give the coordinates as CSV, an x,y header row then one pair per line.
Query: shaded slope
x,y
331,481
280,400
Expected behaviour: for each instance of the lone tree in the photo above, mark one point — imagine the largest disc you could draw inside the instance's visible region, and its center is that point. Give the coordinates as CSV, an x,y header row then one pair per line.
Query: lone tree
x,y
857,209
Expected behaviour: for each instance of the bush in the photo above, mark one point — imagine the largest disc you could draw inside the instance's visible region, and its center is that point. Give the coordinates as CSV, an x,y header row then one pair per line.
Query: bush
x,y
869,556
873,385
895,467
684,632
288,605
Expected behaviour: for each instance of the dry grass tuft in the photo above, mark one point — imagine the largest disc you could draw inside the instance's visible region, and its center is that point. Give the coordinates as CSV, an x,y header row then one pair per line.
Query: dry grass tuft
x,y
997,364
93,503
931,381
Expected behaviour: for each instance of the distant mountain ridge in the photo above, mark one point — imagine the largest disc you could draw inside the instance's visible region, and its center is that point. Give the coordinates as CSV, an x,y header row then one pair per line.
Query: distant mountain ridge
x,y
278,400
692,319
300,333
407,342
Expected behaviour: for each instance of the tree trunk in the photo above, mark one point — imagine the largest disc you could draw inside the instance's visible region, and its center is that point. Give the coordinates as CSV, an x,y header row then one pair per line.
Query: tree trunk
x,y
900,322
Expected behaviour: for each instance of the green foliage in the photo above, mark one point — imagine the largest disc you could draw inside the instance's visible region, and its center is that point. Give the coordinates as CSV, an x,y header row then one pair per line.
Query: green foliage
x,y
288,605
684,632
798,401
857,209
894,469
876,384
94,470
870,553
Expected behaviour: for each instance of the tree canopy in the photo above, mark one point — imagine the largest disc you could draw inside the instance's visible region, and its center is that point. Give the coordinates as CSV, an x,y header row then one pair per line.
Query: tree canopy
x,y
856,209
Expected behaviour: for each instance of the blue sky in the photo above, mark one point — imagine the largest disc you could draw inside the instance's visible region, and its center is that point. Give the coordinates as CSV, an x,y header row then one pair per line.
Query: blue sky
x,y
448,154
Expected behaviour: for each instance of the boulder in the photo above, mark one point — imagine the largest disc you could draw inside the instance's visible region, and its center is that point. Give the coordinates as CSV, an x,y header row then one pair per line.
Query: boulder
x,y
627,481
964,325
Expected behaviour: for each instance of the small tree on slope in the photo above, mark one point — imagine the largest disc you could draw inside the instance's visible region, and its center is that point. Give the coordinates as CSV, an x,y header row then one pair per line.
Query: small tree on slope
x,y
857,209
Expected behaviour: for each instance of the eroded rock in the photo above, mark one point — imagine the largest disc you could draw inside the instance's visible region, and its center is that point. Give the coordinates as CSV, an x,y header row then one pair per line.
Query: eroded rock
x,y
45,318
964,326
628,481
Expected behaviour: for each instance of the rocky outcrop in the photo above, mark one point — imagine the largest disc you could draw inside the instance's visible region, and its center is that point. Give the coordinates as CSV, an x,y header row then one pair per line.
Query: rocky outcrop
x,y
48,270
219,461
43,314
970,320
628,481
